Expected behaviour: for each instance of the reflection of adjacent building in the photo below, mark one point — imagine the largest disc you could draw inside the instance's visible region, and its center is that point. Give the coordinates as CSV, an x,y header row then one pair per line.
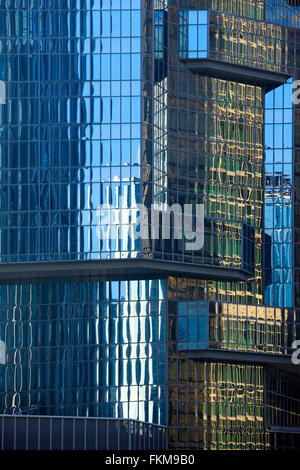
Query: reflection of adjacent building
x,y
231,382
40,191
84,348
121,105
226,342
74,344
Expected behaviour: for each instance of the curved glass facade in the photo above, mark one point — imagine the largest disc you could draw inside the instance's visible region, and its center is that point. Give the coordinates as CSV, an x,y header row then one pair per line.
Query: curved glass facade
x,y
84,349
71,129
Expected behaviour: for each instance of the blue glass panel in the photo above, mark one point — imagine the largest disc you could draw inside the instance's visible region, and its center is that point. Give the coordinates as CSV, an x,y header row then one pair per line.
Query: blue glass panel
x,y
83,342
64,118
193,34
192,325
278,196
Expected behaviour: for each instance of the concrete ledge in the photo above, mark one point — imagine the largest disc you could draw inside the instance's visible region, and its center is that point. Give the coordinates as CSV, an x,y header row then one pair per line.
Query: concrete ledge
x,y
232,71
284,429
114,269
222,355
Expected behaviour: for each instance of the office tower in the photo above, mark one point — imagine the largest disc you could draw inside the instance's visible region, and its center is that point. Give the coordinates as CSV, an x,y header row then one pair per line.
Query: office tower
x,y
115,104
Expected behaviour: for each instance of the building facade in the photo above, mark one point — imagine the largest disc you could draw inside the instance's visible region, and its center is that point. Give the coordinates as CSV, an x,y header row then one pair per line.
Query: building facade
x,y
120,103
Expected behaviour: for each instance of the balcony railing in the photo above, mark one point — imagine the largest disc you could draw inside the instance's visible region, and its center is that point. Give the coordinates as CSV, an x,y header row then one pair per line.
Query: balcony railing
x,y
20,432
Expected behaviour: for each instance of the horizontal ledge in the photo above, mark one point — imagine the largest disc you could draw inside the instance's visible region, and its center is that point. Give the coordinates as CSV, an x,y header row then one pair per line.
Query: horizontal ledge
x,y
115,268
233,71
285,429
239,356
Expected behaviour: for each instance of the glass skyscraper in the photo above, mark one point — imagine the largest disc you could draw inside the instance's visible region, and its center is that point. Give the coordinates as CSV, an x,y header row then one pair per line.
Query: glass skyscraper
x,y
120,103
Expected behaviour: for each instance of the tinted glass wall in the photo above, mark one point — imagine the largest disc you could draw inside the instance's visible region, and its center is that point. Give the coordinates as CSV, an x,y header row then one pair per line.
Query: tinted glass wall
x,y
71,128
84,349
102,108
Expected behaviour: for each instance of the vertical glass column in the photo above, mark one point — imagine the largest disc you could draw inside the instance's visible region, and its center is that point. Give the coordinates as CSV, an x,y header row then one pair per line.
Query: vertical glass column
x,y
278,193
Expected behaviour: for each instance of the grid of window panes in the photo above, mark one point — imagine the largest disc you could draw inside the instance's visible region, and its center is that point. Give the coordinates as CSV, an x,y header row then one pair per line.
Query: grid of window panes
x,y
252,328
296,185
202,324
227,406
200,289
246,8
216,132
285,440
216,406
273,11
84,349
160,146
245,42
278,193
285,12
160,34
282,397
192,325
79,433
71,126
193,34
105,350
159,160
